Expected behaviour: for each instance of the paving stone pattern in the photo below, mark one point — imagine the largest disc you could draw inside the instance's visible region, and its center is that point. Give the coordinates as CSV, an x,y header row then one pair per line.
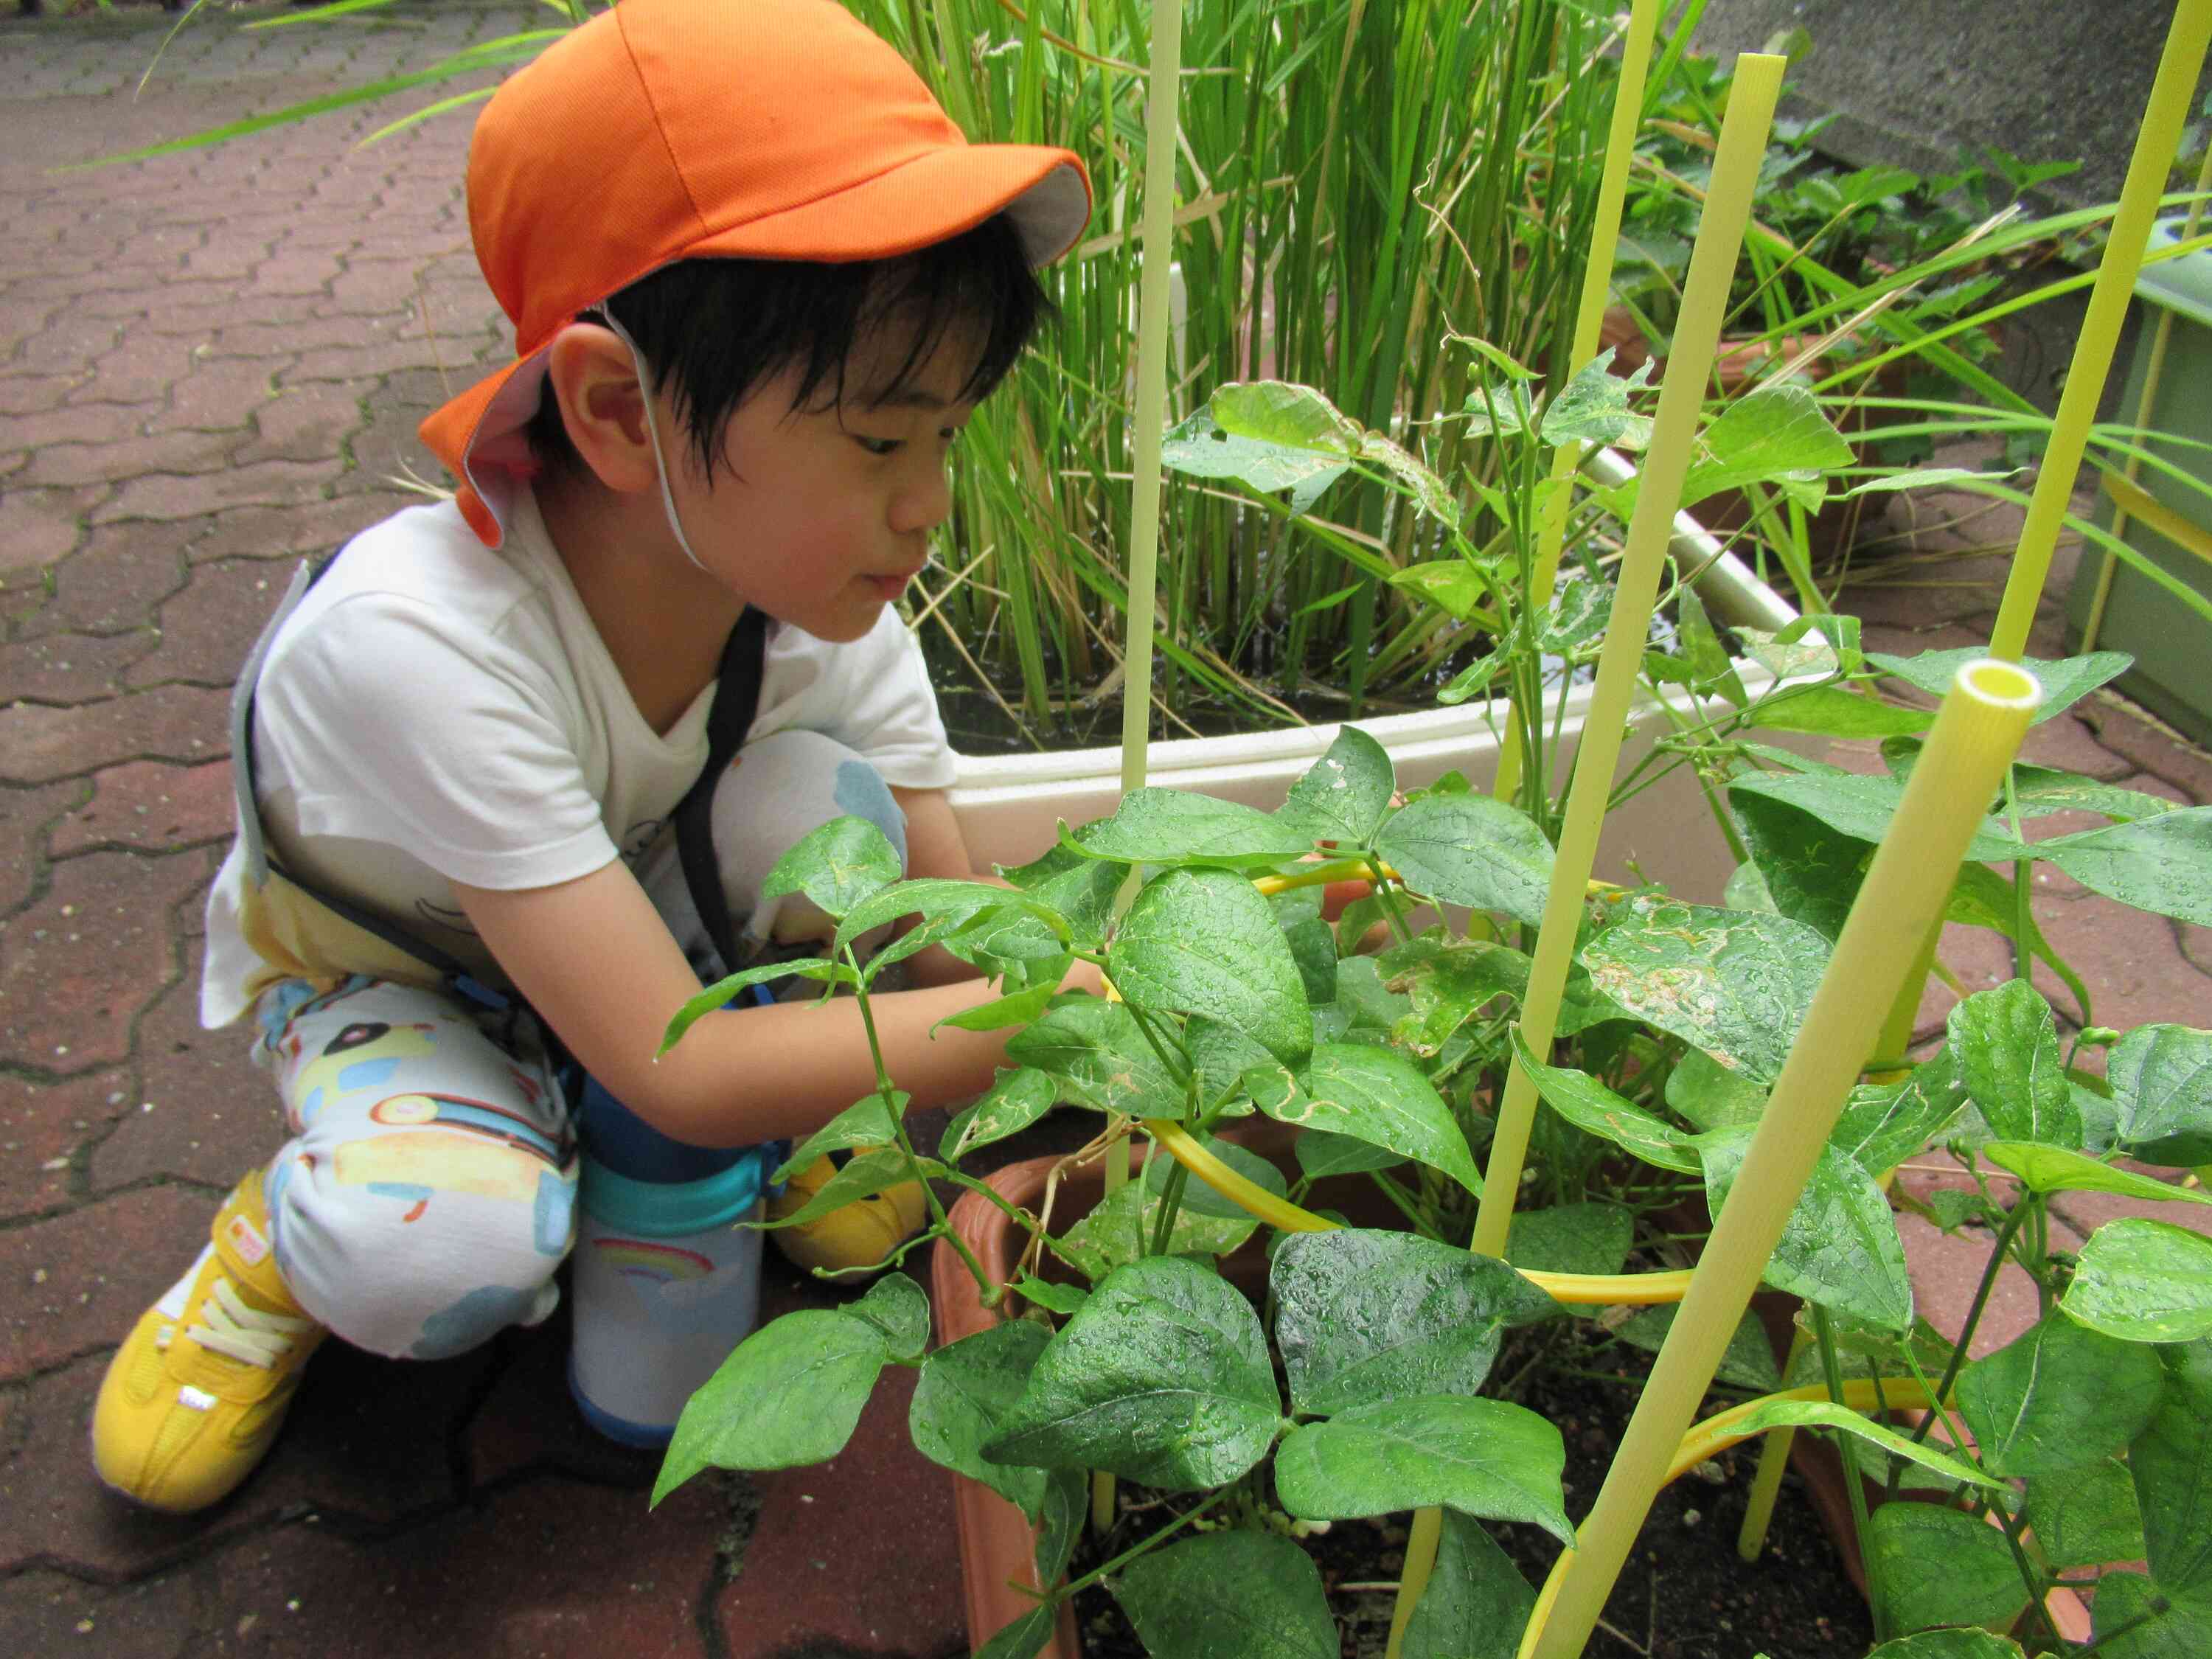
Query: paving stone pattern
x,y
212,364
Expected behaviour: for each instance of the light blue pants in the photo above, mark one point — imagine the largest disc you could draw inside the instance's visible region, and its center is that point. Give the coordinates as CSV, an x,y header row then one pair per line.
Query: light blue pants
x,y
428,1190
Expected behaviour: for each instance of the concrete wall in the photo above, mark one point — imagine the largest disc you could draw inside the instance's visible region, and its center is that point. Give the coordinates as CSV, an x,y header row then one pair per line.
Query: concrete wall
x,y
1911,81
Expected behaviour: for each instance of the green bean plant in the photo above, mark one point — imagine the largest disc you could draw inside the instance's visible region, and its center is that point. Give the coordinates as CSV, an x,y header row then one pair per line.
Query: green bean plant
x,y
1381,1041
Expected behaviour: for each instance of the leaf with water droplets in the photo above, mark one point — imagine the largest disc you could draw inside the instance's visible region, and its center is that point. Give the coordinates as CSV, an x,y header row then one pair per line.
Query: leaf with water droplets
x,y
1161,1376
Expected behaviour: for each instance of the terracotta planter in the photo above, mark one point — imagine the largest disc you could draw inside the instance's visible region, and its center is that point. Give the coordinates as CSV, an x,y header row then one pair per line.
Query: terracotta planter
x,y
997,1544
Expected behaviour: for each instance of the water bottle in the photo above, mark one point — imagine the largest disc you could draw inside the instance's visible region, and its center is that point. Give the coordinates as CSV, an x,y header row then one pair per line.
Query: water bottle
x,y
665,1282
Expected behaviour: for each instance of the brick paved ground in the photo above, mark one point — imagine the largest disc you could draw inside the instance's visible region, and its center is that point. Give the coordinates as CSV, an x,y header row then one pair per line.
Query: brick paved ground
x,y
211,365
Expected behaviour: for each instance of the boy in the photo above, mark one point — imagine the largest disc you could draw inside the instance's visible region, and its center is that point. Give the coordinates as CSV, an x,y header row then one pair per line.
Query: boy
x,y
758,282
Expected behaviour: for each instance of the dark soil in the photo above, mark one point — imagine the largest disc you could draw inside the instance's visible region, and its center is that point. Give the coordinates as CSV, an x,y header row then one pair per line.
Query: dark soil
x,y
1683,1594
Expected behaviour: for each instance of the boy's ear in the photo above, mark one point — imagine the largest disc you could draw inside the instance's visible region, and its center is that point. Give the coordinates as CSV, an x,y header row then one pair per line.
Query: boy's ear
x,y
594,379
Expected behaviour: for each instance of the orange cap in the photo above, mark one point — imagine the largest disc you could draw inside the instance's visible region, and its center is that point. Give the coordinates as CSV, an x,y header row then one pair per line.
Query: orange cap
x,y
667,130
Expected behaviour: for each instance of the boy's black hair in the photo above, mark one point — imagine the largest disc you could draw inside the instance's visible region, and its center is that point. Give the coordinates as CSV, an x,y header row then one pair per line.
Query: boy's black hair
x,y
714,332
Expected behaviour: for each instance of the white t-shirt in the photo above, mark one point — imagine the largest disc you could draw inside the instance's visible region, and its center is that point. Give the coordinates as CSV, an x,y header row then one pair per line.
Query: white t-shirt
x,y
438,711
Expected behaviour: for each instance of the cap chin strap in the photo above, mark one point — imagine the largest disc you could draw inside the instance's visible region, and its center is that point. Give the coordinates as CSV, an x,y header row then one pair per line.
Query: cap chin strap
x,y
652,434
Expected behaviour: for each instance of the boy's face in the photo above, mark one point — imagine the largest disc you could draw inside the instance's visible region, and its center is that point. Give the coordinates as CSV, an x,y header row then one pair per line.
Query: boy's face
x,y
821,516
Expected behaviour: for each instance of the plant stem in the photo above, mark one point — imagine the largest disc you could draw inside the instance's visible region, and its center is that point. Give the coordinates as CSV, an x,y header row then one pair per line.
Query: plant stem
x,y
1824,1331
990,1294
2012,1223
1136,1550
1170,1202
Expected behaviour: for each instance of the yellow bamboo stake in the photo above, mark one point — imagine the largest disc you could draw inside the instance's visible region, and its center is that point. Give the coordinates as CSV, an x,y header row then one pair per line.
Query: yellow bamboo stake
x,y
1708,1439
1756,83
1976,735
1895,1041
1163,82
1589,317
2172,94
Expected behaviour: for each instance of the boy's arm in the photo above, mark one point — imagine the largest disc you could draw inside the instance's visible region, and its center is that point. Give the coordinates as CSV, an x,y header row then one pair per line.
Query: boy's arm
x,y
598,964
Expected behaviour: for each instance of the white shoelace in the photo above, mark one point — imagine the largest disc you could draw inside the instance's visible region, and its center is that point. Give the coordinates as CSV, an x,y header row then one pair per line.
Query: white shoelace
x,y
234,1327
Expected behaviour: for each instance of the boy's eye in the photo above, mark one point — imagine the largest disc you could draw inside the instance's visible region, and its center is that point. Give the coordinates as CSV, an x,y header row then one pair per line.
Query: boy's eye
x,y
877,445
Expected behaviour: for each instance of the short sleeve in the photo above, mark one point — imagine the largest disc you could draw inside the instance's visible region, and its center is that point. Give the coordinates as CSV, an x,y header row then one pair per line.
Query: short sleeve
x,y
390,722
873,695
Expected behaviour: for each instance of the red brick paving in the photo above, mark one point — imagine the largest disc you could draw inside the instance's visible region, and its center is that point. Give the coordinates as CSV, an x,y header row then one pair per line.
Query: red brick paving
x,y
214,363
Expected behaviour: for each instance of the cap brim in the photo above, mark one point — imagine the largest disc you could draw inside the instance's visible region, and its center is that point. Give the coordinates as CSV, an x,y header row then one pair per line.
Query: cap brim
x,y
468,434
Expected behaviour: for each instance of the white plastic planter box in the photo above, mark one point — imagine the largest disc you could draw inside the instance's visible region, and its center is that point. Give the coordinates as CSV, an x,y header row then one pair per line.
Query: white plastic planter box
x,y
1010,807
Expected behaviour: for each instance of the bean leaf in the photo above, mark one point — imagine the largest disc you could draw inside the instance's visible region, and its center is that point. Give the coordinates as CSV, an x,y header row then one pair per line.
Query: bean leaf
x,y
1840,1246
1015,1100
1275,1606
2162,1081
1477,1603
789,1393
2006,1044
1098,1054
1162,1376
1372,1095
1344,794
836,865
1205,942
1367,1316
1482,1457
1931,1564
964,1392
1732,983
2143,1281
2057,1395
1174,827
1471,850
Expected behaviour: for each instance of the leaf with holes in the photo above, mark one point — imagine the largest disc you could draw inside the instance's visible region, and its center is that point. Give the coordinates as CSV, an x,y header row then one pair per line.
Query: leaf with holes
x,y
836,866
1097,1053
1343,796
1732,983
1015,1100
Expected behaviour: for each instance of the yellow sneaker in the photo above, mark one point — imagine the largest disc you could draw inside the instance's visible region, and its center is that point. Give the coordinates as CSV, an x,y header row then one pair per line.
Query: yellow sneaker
x,y
195,1395
856,1236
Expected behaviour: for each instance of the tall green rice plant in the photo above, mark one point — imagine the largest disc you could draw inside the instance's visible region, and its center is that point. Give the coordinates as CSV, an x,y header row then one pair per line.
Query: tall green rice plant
x,y
1357,178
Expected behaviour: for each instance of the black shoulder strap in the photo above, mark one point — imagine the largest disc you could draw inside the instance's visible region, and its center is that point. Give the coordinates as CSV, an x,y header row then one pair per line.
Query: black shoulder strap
x,y
736,699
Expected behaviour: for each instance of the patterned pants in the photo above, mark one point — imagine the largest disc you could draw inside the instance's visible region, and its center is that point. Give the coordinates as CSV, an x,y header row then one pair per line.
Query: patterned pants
x,y
428,1190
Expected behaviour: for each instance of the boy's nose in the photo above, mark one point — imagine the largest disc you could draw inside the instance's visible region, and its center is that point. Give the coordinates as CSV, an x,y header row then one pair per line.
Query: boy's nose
x,y
924,503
